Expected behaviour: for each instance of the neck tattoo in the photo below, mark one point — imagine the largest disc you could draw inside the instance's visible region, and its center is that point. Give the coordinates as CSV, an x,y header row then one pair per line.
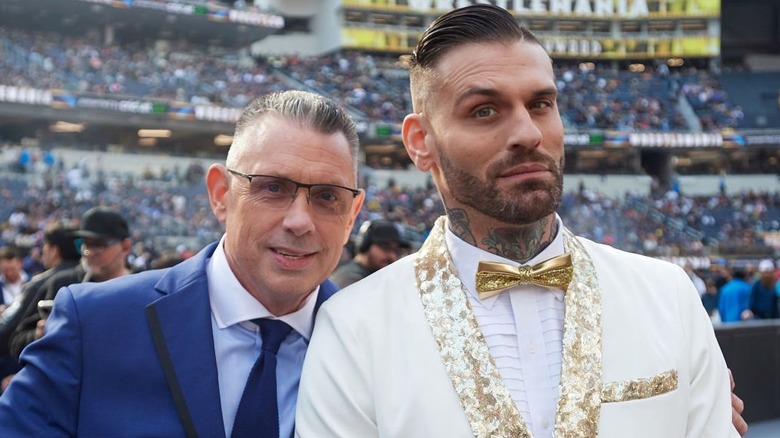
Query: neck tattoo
x,y
521,243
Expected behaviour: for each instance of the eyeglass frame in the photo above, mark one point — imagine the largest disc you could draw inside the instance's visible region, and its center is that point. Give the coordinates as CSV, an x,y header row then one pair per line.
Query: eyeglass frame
x,y
298,185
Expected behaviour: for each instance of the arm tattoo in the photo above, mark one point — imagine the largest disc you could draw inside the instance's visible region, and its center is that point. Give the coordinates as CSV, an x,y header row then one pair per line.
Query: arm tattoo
x,y
459,225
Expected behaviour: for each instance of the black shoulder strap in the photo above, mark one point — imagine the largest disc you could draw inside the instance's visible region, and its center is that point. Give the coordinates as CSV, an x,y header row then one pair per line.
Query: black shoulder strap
x,y
170,375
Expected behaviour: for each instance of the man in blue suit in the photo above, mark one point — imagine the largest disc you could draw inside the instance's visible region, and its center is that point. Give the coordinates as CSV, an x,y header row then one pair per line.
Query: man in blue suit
x,y
168,353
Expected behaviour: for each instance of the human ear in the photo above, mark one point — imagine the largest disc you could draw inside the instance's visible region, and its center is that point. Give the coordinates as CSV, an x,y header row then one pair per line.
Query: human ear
x,y
217,186
415,133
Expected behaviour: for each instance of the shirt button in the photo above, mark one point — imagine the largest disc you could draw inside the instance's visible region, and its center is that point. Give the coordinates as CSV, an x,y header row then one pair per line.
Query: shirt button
x,y
532,348
546,424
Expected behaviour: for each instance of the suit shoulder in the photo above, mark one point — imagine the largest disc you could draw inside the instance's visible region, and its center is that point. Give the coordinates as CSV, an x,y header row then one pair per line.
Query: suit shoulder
x,y
140,285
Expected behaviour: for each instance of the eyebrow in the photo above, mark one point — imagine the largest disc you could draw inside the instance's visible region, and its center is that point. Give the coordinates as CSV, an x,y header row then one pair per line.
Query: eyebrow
x,y
491,92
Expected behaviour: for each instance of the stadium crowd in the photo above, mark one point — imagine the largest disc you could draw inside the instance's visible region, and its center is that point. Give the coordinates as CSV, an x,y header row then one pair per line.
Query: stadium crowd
x,y
169,220
375,88
170,209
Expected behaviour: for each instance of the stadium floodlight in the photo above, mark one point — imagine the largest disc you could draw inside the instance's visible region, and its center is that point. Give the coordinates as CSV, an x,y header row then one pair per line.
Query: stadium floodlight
x,y
155,133
61,126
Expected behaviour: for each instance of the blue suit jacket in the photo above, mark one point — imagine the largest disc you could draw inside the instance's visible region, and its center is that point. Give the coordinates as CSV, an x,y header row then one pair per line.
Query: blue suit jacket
x,y
130,357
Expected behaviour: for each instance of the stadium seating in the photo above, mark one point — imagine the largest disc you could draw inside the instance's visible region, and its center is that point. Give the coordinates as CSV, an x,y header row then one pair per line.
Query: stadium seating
x,y
373,87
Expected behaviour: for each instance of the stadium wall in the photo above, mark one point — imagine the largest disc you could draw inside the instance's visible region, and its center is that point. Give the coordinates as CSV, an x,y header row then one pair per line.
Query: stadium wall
x,y
323,36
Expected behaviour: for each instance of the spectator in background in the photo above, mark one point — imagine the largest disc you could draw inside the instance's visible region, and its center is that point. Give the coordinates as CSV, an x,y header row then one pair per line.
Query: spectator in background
x,y
734,296
176,348
697,281
11,281
103,240
763,299
710,300
378,244
58,253
12,276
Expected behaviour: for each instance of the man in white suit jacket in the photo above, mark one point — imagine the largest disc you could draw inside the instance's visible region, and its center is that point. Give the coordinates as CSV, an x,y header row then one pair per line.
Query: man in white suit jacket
x,y
505,324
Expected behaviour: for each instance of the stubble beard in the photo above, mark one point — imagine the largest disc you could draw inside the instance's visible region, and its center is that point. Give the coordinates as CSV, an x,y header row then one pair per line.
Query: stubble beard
x,y
527,202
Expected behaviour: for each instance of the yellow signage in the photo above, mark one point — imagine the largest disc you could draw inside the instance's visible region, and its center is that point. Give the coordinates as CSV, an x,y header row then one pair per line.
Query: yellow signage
x,y
560,8
557,47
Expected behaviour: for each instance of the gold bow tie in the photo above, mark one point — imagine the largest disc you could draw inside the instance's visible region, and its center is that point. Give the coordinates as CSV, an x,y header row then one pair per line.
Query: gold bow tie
x,y
492,278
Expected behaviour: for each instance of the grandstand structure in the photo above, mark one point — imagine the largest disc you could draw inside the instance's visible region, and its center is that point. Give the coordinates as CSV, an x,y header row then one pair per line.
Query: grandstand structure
x,y
645,87
653,93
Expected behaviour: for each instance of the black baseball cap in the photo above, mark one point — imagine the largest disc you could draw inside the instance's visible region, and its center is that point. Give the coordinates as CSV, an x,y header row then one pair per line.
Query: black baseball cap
x,y
102,223
386,232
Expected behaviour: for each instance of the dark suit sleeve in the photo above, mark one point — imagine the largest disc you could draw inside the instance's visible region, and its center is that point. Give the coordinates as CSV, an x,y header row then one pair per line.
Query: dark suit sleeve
x,y
43,398
24,332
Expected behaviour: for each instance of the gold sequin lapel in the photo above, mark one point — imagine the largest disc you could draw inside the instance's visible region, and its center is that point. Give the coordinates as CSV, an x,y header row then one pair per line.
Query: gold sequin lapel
x,y
486,402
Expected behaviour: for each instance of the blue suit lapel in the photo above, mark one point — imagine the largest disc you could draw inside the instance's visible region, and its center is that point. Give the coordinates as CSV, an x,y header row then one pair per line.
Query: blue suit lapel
x,y
181,324
327,289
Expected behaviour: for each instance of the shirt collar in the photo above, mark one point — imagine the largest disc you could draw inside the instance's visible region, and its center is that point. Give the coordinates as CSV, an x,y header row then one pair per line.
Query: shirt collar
x,y
466,258
232,304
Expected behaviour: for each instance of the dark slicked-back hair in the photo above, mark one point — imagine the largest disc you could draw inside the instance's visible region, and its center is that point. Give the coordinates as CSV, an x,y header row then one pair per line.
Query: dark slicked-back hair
x,y
309,109
480,23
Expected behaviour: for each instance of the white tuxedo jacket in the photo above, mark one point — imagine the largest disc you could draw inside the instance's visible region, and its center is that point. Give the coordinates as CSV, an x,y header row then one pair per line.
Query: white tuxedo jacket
x,y
373,368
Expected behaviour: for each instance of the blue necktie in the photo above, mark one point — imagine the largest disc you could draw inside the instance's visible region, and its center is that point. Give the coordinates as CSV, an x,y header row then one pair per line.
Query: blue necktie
x,y
258,413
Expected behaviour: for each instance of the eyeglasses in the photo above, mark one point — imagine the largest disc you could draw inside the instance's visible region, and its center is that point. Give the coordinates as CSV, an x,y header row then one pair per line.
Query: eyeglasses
x,y
279,193
87,247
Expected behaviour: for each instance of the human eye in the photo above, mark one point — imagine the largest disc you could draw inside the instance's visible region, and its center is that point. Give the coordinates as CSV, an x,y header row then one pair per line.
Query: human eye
x,y
327,194
542,104
331,200
484,112
269,186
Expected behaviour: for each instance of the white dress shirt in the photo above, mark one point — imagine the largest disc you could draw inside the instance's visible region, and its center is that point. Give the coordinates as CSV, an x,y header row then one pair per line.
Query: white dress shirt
x,y
12,290
523,328
237,342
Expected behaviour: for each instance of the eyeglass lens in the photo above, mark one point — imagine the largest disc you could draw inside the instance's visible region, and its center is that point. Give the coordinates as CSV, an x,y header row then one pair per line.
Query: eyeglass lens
x,y
279,193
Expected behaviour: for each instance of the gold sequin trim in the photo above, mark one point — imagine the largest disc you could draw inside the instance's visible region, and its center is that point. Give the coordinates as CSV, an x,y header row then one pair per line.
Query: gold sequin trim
x,y
639,388
488,406
486,402
579,393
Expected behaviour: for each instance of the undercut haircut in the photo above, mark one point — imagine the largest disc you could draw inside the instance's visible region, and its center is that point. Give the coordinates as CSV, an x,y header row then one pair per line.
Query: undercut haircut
x,y
310,110
480,23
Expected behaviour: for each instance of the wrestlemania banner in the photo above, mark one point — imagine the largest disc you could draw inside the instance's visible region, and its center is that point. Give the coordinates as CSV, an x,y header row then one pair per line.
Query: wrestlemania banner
x,y
561,8
557,47
671,42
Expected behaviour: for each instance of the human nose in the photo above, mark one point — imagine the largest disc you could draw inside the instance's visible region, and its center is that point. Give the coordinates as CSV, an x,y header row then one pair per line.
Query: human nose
x,y
525,131
298,218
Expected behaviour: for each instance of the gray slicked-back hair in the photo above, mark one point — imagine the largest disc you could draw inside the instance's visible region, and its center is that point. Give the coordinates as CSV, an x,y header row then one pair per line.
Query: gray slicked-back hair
x,y
309,109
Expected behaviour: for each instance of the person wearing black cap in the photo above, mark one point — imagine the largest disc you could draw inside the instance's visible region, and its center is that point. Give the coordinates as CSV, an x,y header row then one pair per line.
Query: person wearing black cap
x,y
103,243
378,244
